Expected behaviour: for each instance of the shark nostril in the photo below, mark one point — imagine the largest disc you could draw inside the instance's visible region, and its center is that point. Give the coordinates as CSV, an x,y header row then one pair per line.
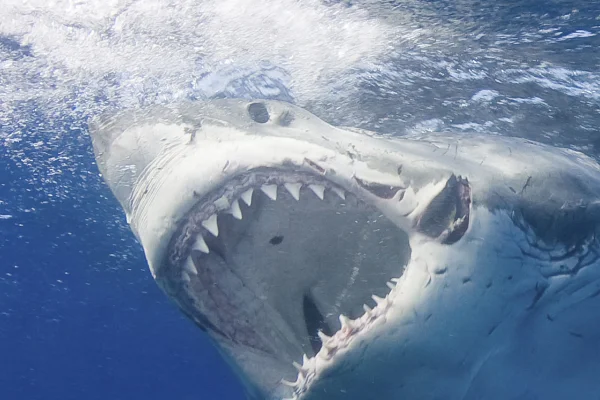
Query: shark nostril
x,y
258,112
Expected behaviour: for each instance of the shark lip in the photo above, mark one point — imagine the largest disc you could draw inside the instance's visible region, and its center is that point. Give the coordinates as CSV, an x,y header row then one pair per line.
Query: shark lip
x,y
238,227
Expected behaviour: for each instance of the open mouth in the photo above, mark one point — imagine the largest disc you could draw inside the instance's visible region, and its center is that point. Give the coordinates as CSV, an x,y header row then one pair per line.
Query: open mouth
x,y
289,264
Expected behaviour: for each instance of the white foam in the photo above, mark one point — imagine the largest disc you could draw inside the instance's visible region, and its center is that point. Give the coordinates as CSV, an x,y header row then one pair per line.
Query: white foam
x,y
485,96
129,53
577,34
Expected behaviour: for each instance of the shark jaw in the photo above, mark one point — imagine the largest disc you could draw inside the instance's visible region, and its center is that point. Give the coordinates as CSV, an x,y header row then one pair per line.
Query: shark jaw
x,y
271,229
286,267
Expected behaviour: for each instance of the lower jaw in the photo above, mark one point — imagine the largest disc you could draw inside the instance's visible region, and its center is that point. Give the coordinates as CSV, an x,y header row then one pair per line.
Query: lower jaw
x,y
269,376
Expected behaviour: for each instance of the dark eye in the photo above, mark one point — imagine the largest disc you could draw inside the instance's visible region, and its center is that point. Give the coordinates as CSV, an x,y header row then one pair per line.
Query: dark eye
x,y
448,213
258,112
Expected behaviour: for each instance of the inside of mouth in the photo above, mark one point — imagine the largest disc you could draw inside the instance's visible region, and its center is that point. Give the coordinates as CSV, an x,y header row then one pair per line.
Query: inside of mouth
x,y
282,262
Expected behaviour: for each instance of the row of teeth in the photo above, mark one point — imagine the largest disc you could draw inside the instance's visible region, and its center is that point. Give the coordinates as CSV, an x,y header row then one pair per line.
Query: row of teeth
x,y
211,225
330,345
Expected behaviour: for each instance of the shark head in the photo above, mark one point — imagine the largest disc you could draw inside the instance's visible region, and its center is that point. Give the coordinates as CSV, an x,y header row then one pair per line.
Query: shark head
x,y
330,262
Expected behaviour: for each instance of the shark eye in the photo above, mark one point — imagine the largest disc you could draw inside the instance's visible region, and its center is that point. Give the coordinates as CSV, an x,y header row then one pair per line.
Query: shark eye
x,y
258,112
447,216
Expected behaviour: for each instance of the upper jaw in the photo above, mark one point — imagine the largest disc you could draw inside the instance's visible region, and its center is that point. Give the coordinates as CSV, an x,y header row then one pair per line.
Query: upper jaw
x,y
192,150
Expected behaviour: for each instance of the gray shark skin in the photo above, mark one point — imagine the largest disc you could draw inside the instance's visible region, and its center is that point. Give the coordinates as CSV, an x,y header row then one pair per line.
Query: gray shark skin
x,y
335,263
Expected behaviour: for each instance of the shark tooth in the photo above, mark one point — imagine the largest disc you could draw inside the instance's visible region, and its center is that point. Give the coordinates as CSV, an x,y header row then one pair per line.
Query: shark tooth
x,y
304,359
294,189
377,299
185,277
211,225
200,245
319,190
235,209
301,370
247,196
288,383
345,321
270,191
326,352
391,285
395,280
324,338
367,308
189,267
340,193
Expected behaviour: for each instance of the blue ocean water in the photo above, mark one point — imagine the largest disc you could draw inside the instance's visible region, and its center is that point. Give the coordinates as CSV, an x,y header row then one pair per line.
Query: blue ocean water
x,y
80,316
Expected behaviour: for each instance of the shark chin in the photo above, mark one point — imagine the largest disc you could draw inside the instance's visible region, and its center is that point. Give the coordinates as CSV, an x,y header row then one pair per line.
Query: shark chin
x,y
336,263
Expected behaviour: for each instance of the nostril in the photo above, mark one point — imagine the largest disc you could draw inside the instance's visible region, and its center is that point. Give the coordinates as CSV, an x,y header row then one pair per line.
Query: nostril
x,y
258,112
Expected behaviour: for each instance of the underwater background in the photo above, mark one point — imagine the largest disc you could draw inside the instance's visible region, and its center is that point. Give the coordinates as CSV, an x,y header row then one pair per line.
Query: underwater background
x,y
80,316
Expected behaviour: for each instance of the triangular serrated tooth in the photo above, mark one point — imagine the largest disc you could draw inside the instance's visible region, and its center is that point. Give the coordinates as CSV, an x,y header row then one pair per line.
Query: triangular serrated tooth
x,y
324,338
345,321
390,285
378,299
340,192
185,277
319,190
304,359
189,267
270,191
395,280
301,371
367,308
211,225
235,209
200,245
294,189
247,196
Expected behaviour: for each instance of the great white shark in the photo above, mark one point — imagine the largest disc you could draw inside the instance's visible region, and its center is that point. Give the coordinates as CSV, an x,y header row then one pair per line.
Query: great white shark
x,y
336,263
